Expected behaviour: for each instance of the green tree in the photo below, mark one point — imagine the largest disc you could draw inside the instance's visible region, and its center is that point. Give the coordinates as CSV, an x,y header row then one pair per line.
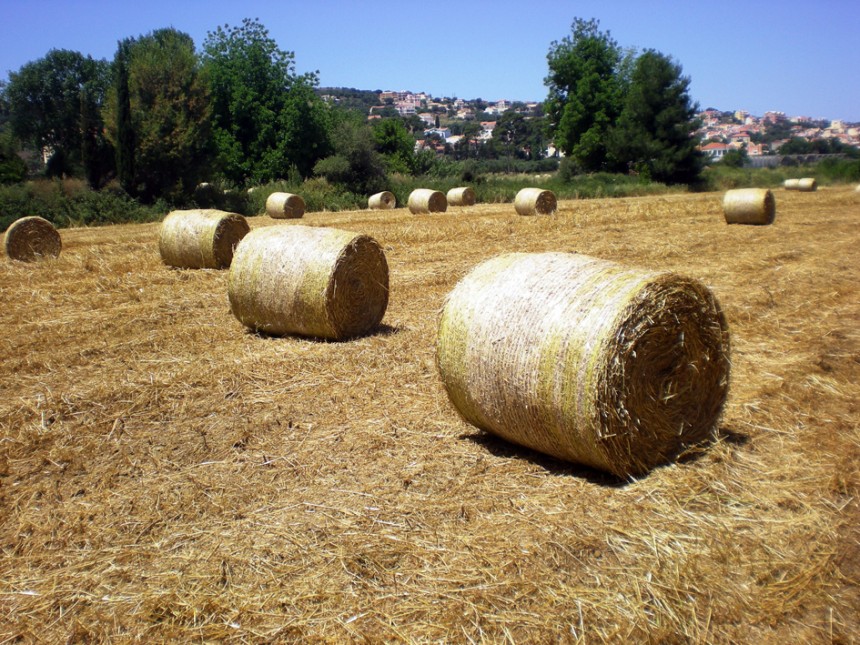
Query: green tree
x,y
123,140
356,164
50,98
168,103
584,93
306,124
654,132
395,144
251,81
735,158
516,135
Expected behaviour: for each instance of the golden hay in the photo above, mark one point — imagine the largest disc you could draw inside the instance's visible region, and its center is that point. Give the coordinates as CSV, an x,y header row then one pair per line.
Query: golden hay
x,y
535,201
790,184
464,196
382,201
318,282
32,238
285,206
584,359
201,238
426,200
749,206
807,185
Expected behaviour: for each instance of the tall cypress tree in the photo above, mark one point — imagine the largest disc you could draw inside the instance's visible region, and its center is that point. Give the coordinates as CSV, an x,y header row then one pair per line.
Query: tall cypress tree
x,y
124,127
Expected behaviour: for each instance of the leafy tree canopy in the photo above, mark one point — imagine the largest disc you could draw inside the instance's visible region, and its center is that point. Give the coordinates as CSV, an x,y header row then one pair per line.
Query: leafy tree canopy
x,y
584,92
169,113
654,132
46,100
251,79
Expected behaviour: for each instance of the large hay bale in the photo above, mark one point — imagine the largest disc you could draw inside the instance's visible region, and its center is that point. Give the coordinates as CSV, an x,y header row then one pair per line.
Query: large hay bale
x,y
584,359
200,238
317,282
807,185
285,206
791,184
426,200
32,238
382,201
749,206
535,201
464,196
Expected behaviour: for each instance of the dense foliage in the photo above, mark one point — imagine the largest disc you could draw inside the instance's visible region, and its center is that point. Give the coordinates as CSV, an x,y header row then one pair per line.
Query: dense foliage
x,y
259,104
158,116
54,105
620,113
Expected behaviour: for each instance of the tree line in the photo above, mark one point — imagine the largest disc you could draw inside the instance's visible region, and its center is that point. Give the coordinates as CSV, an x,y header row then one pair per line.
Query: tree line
x,y
162,117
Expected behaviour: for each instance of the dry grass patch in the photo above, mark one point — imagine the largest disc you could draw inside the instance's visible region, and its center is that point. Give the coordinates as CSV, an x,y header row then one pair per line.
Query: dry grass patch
x,y
167,475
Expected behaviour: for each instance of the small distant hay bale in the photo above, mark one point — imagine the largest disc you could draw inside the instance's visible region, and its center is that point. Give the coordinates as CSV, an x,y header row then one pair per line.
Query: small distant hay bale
x,y
584,359
200,238
316,282
285,206
382,201
32,238
807,185
426,200
464,196
791,184
535,201
749,206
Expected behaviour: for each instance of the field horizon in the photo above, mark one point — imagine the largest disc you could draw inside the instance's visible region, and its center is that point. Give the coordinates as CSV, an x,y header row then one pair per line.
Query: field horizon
x,y
166,474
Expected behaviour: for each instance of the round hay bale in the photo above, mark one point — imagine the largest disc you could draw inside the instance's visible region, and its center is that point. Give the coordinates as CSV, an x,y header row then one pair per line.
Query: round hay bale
x,y
382,201
535,201
32,238
584,359
749,206
857,189
461,196
285,206
317,282
426,200
790,184
200,238
807,185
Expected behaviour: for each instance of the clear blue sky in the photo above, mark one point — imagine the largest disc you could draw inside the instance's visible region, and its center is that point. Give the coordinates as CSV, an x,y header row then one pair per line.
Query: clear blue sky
x,y
797,57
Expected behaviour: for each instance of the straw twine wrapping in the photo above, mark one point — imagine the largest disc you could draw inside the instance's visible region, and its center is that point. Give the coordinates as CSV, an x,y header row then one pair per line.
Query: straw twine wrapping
x,y
382,201
807,185
749,206
426,200
461,196
535,201
200,239
285,206
318,282
32,238
584,359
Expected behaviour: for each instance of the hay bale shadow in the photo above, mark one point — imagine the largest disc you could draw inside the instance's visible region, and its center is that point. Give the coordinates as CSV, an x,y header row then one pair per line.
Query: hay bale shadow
x,y
379,330
553,466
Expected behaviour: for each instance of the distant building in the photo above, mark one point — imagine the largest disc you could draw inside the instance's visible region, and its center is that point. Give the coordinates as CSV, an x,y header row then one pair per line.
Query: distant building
x,y
715,151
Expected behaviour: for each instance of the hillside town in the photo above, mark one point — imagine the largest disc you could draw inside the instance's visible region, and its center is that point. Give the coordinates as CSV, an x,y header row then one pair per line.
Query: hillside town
x,y
720,132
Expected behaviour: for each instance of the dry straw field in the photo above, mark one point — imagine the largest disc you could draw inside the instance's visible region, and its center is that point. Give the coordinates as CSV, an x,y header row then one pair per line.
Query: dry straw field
x,y
167,475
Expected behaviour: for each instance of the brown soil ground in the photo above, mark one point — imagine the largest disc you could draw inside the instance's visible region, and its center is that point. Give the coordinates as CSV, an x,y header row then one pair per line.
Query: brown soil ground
x,y
167,475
